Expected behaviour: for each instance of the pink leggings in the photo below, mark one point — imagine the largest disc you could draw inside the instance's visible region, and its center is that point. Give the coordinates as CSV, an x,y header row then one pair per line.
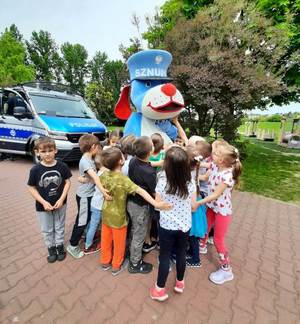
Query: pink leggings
x,y
221,224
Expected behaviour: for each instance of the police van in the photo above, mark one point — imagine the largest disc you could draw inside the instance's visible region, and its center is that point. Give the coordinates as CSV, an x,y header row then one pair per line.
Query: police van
x,y
36,109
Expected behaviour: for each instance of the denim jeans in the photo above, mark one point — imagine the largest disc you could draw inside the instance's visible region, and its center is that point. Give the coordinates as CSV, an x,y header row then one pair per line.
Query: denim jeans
x,y
169,240
194,249
93,226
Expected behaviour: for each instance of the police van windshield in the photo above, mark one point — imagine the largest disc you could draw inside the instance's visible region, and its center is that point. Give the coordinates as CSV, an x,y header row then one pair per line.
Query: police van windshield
x,y
61,107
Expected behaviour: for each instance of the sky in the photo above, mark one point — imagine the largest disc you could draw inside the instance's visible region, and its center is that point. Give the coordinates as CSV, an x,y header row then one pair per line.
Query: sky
x,y
98,25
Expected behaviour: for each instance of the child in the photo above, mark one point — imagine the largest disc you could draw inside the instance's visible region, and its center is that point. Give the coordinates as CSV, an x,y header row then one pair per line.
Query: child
x,y
143,175
114,220
96,210
226,169
127,150
49,184
113,139
89,145
199,223
177,188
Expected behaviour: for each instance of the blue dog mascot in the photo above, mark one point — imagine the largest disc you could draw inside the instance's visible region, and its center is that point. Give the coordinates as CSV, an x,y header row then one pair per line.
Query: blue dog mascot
x,y
150,100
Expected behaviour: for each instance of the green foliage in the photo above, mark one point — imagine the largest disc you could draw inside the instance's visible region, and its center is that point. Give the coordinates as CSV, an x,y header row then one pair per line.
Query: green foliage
x,y
134,47
212,68
74,67
13,69
101,101
43,54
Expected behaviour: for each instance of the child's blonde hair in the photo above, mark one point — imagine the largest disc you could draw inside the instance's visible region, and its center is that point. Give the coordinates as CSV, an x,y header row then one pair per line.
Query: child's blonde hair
x,y
231,158
193,140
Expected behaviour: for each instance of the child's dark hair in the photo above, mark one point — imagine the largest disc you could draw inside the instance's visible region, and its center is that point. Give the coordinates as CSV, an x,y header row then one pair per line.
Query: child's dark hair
x,y
194,159
116,132
127,145
44,142
86,142
98,160
142,147
178,171
158,142
111,157
231,158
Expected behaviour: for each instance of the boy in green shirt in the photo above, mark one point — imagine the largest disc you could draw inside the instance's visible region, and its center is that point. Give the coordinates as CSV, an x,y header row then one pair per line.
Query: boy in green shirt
x,y
114,219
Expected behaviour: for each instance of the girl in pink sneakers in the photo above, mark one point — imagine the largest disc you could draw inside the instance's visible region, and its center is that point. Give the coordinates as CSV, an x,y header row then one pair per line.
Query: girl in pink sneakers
x,y
176,187
225,171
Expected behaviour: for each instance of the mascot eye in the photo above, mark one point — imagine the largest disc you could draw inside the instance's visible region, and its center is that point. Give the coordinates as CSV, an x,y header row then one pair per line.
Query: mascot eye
x,y
148,84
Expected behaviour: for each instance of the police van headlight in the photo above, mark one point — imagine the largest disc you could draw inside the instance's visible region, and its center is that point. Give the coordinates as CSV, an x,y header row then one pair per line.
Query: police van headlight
x,y
57,136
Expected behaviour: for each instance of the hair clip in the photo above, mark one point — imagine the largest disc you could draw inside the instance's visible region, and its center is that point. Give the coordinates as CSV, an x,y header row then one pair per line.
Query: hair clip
x,y
237,160
198,158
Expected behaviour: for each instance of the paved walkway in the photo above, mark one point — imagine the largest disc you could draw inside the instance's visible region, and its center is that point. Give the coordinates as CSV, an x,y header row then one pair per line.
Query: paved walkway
x,y
264,241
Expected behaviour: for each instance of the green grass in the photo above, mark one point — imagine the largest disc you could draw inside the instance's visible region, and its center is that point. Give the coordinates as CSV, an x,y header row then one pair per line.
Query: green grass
x,y
272,171
269,126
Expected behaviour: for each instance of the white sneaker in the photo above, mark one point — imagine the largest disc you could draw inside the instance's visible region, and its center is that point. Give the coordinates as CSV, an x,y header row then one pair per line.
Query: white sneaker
x,y
203,248
210,240
75,251
220,276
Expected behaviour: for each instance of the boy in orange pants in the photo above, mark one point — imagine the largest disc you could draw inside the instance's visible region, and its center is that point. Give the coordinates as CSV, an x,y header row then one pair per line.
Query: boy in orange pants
x,y
114,220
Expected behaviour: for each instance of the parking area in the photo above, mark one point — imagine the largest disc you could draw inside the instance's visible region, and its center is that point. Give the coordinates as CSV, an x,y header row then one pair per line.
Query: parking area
x,y
264,245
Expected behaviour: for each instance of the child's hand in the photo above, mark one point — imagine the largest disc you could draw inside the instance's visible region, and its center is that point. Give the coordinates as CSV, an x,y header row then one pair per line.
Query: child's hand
x,y
106,194
47,206
83,179
58,204
163,205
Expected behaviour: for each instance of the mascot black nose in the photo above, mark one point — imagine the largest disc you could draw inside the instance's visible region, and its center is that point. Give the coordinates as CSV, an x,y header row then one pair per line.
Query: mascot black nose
x,y
168,89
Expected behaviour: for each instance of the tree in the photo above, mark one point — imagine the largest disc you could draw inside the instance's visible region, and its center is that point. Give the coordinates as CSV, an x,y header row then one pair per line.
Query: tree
x,y
74,66
43,53
135,47
101,101
14,31
223,65
12,61
97,66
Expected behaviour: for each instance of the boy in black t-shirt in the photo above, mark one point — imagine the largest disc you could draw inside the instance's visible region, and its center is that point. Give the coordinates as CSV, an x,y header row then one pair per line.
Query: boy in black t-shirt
x,y
49,184
144,175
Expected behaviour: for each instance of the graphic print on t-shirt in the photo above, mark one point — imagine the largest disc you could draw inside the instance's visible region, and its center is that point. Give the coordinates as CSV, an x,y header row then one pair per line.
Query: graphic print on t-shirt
x,y
50,181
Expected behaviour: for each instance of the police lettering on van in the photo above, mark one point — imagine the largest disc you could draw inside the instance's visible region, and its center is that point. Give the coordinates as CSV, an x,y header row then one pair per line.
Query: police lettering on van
x,y
39,109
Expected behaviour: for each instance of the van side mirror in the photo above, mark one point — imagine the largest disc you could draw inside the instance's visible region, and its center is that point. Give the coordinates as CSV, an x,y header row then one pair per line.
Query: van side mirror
x,y
20,112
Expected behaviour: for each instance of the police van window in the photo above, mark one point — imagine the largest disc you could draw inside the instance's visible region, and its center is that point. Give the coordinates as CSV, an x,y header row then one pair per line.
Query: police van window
x,y
9,101
61,107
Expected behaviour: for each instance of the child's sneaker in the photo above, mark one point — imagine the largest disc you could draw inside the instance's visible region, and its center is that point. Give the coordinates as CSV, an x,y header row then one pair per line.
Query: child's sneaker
x,y
105,267
92,249
141,267
75,251
222,275
116,271
191,264
52,257
202,248
149,247
61,253
159,295
179,286
210,240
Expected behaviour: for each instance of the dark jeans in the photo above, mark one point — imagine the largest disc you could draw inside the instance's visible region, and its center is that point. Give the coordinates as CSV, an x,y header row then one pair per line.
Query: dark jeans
x,y
82,219
168,240
194,249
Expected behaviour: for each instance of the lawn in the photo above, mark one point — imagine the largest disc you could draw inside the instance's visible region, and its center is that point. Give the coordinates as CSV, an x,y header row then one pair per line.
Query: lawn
x,y
272,171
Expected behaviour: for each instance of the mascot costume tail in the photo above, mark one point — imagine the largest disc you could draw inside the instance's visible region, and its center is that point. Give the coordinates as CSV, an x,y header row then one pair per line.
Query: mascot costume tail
x,y
150,100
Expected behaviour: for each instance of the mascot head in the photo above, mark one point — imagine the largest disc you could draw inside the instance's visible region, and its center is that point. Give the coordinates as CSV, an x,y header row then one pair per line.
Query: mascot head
x,y
150,91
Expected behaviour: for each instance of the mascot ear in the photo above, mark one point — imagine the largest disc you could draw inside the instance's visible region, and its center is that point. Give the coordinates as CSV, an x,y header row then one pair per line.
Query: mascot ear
x,y
122,108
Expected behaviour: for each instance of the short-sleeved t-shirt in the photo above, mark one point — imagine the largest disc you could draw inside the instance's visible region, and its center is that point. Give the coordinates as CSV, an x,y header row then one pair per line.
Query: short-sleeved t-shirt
x,y
143,175
223,204
49,181
119,187
86,189
180,216
160,156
